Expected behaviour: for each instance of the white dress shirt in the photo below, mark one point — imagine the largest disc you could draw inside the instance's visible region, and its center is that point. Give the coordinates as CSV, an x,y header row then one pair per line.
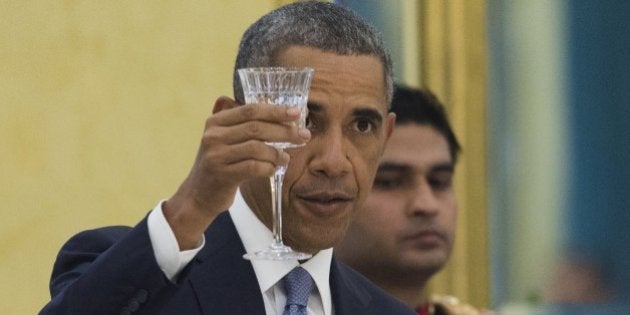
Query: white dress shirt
x,y
255,236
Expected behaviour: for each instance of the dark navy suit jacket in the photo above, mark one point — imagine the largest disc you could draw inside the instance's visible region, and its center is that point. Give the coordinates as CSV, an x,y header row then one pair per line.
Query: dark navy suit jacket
x,y
113,271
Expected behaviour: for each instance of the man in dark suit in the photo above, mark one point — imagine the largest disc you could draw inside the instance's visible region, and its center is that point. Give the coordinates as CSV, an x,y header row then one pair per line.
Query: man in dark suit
x,y
186,256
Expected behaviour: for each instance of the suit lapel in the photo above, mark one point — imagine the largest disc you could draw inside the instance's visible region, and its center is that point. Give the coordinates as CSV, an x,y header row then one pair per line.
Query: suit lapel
x,y
347,296
225,283
222,280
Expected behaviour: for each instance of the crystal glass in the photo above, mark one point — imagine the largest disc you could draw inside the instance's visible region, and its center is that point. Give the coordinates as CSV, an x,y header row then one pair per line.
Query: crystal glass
x,y
283,87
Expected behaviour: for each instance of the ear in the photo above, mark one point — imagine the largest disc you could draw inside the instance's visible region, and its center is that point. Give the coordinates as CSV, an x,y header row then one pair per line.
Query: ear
x,y
223,103
390,123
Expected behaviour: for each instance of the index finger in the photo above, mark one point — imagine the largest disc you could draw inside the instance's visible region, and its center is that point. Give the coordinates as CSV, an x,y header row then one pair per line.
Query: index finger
x,y
263,112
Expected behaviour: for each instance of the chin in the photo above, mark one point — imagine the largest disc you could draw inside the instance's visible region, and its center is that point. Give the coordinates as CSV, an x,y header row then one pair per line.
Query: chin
x,y
321,234
315,239
429,262
323,241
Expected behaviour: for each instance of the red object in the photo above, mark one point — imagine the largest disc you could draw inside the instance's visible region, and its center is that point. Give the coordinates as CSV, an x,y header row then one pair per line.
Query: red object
x,y
423,309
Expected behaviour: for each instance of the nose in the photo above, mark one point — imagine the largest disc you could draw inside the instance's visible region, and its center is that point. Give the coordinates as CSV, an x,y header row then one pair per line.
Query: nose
x,y
423,201
331,158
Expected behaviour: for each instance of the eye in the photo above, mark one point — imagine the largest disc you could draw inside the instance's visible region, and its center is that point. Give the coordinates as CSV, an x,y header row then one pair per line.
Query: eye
x,y
391,181
441,182
308,122
363,125
386,183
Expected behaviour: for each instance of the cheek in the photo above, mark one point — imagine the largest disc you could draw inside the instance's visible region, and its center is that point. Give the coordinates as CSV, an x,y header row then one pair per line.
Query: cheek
x,y
451,209
297,167
379,212
365,165
449,216
372,153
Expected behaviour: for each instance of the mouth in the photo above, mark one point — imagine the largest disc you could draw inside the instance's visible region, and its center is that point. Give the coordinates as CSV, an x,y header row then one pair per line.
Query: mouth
x,y
326,203
426,238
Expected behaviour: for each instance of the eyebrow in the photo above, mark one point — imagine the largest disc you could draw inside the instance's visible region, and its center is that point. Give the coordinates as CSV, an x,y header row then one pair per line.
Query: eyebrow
x,y
314,107
400,168
393,167
443,167
370,113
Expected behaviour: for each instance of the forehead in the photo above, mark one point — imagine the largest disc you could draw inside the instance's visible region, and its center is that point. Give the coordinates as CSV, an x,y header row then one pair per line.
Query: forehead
x,y
339,79
417,146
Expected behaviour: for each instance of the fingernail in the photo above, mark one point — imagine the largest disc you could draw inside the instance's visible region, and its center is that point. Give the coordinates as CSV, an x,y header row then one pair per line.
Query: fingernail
x,y
292,111
304,133
286,157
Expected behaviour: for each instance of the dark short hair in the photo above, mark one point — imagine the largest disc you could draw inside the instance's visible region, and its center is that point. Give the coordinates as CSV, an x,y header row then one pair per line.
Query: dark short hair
x,y
421,107
325,26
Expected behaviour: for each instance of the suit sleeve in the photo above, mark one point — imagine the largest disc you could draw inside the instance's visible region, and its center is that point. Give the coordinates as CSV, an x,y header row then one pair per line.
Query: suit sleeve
x,y
108,271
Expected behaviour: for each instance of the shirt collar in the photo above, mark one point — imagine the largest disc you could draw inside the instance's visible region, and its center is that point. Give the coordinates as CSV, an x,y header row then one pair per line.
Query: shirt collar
x,y
255,236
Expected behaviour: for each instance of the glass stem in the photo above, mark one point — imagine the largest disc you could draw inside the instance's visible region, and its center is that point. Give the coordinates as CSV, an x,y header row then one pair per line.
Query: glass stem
x,y
276,200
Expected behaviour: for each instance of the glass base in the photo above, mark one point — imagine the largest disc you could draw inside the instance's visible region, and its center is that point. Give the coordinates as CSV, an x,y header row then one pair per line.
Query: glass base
x,y
285,145
275,252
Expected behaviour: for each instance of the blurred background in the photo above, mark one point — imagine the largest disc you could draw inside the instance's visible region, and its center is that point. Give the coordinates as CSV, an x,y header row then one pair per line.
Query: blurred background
x,y
102,105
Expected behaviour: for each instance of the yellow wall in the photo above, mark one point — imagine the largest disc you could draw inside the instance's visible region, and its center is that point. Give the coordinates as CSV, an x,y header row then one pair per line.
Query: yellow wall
x,y
102,104
453,65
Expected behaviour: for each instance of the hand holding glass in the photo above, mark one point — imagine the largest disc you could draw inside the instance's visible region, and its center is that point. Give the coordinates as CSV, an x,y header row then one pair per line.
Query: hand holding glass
x,y
283,87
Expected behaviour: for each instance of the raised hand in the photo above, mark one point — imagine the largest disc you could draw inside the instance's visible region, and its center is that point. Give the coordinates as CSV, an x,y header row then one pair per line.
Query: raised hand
x,y
232,150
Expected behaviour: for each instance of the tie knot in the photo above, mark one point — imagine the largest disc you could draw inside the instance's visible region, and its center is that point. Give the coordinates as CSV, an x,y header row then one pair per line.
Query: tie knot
x,y
298,284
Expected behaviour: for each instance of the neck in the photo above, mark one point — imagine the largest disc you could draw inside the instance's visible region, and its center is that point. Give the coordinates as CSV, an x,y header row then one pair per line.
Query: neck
x,y
411,296
403,287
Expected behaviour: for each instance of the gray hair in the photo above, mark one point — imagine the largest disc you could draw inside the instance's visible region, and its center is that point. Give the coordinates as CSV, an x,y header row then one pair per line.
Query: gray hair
x,y
321,25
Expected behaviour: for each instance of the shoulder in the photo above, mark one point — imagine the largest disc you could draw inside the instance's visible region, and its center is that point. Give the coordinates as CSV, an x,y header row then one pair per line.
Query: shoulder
x,y
373,298
80,251
450,305
97,239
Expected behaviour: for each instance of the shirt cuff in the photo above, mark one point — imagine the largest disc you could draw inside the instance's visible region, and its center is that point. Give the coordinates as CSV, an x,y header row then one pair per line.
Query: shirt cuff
x,y
165,248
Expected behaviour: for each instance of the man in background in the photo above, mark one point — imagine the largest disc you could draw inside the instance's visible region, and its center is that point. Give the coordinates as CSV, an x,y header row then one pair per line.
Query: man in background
x,y
405,231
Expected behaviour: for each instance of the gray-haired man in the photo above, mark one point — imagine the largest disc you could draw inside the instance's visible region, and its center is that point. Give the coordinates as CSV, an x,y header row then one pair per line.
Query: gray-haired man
x,y
186,256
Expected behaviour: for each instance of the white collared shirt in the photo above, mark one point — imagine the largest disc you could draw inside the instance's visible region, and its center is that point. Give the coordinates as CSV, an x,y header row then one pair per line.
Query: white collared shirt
x,y
255,236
